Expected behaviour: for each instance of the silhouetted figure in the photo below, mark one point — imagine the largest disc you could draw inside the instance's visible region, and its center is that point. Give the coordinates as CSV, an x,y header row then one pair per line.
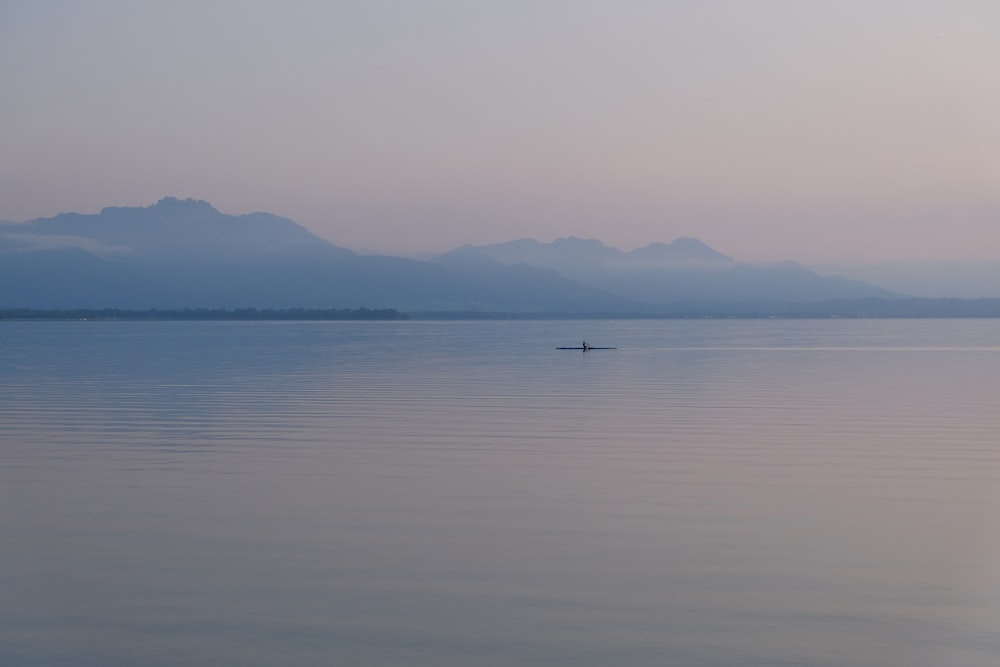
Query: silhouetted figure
x,y
585,346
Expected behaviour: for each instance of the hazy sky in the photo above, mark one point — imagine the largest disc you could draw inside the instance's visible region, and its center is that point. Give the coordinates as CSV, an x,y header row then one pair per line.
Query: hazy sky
x,y
782,129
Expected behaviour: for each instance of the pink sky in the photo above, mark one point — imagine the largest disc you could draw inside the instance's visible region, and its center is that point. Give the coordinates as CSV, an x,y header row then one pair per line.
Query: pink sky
x,y
815,131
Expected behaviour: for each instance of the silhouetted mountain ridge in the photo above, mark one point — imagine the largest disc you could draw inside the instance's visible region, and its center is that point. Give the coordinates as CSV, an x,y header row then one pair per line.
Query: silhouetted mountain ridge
x,y
684,270
575,252
180,253
170,229
684,248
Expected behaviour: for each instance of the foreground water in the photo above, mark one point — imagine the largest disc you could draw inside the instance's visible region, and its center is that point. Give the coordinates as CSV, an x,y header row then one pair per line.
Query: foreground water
x,y
728,493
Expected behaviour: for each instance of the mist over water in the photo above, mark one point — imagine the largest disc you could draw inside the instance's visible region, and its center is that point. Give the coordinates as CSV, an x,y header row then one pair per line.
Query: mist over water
x,y
758,492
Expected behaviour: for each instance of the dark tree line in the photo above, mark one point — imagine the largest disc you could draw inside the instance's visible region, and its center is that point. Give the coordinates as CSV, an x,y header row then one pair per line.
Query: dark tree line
x,y
203,314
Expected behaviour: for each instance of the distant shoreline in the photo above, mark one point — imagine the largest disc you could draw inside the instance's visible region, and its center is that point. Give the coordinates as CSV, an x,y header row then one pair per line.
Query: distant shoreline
x,y
914,308
204,314
834,309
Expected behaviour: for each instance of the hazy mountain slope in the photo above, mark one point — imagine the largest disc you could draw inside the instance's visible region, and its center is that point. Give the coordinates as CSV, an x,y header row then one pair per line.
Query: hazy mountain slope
x,y
565,252
576,253
185,253
684,249
72,278
787,282
972,279
535,289
684,270
171,229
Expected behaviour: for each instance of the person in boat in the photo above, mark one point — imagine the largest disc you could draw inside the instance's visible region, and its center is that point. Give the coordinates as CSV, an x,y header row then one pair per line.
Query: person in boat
x,y
585,346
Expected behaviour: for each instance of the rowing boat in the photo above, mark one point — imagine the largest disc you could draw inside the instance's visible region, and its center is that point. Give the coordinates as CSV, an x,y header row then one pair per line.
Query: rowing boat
x,y
589,347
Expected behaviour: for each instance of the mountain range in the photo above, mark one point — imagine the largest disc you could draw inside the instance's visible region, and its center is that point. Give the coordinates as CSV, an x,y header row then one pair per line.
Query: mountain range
x,y
683,271
181,253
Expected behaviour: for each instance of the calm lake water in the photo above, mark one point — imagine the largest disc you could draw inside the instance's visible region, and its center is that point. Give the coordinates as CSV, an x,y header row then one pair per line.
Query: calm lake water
x,y
713,493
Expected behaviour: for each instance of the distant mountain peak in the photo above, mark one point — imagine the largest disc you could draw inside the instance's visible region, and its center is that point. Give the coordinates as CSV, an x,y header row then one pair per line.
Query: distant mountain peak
x,y
173,204
173,229
577,242
683,248
580,251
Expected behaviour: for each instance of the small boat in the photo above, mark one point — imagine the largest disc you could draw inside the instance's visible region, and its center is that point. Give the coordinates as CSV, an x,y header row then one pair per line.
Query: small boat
x,y
585,347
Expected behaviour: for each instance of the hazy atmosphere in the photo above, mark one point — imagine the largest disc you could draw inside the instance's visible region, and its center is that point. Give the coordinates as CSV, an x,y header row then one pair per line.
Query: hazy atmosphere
x,y
548,333
814,131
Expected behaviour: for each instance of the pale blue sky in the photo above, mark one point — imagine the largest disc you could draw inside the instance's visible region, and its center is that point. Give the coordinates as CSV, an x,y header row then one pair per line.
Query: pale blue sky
x,y
780,129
